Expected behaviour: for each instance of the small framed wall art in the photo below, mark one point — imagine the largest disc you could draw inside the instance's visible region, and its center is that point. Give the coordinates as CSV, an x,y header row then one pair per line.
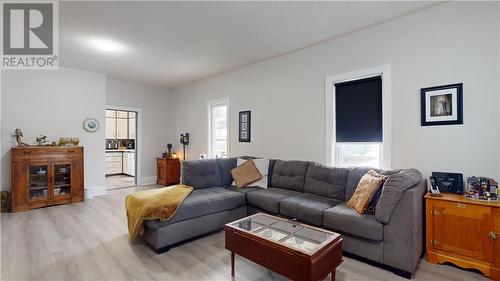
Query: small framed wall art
x,y
441,105
245,126
91,125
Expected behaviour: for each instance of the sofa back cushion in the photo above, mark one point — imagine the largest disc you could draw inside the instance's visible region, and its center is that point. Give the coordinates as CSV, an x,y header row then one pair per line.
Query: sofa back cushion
x,y
200,173
289,174
354,175
326,181
225,167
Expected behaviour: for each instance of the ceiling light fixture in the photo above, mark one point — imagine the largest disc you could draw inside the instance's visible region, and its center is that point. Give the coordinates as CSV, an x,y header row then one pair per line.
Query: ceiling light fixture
x,y
107,46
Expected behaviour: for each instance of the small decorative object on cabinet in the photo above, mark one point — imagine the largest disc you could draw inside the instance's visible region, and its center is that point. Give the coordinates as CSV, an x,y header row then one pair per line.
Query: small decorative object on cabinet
x,y
168,171
41,140
71,142
168,154
481,188
19,134
44,176
463,232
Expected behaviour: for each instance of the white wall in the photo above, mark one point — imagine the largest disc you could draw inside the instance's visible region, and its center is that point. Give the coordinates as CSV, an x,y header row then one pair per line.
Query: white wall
x,y
156,126
450,43
55,104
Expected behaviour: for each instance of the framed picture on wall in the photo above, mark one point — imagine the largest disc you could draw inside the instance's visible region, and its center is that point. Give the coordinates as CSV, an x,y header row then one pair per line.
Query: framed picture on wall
x,y
441,105
244,128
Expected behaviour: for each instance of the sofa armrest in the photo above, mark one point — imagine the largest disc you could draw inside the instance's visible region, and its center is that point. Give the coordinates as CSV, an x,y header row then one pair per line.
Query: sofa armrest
x,y
403,235
392,191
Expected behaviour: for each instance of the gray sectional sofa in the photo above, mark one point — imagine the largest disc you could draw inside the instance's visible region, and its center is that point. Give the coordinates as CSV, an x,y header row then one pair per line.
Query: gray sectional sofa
x,y
311,193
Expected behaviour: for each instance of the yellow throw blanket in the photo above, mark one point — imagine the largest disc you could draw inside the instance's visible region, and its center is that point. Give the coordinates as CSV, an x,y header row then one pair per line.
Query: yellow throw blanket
x,y
153,204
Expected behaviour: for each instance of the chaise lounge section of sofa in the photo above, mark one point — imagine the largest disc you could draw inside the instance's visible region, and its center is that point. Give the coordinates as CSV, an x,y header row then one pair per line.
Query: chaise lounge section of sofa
x,y
311,193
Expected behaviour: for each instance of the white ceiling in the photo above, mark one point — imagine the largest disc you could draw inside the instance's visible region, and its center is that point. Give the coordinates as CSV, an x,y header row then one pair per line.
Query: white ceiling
x,y
171,43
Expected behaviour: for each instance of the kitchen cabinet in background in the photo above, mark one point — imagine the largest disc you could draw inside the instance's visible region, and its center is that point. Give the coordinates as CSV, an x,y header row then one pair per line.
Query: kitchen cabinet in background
x,y
121,128
113,163
131,125
120,124
129,163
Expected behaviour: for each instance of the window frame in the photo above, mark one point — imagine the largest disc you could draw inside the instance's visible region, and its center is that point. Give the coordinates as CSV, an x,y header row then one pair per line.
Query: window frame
x,y
331,153
210,105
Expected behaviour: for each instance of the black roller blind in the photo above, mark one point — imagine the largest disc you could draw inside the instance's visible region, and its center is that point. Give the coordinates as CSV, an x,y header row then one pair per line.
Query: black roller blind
x,y
358,110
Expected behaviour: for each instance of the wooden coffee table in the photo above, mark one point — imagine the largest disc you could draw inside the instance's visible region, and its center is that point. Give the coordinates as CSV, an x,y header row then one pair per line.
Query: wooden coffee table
x,y
294,250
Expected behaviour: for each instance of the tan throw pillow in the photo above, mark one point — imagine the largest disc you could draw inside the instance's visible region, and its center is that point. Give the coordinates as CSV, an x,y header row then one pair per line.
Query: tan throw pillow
x,y
246,174
368,186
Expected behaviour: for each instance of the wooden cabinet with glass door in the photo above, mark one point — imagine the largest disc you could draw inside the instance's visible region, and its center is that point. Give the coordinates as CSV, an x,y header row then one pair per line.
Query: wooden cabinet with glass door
x,y
44,176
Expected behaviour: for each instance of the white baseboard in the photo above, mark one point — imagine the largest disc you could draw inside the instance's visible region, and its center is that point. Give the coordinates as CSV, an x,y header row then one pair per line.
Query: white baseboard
x,y
91,191
146,180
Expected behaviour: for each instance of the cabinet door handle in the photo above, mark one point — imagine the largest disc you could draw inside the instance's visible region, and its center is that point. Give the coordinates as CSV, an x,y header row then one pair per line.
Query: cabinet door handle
x,y
26,153
71,151
493,235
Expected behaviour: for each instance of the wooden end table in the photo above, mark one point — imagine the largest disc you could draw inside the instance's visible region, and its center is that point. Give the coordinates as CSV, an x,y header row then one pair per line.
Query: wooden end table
x,y
294,250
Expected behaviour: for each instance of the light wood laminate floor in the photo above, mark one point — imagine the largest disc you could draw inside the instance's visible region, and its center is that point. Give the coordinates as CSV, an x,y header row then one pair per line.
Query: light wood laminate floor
x,y
89,241
119,181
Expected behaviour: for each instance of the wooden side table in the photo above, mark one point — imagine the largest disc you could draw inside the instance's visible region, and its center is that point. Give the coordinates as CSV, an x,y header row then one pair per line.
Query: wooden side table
x,y
463,232
168,171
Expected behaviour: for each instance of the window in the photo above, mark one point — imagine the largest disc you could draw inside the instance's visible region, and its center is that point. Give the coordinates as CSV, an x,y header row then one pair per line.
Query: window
x,y
358,154
218,128
358,118
358,122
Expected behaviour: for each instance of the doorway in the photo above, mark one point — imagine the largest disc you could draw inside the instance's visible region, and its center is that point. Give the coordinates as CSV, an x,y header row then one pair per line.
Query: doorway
x,y
121,148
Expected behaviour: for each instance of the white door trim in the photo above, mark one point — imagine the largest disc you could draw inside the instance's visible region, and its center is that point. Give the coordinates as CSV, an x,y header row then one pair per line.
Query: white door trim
x,y
385,72
138,142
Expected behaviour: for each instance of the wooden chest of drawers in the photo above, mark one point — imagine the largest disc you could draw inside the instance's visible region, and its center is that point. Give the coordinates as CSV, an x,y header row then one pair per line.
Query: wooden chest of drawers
x,y
43,176
463,232
168,171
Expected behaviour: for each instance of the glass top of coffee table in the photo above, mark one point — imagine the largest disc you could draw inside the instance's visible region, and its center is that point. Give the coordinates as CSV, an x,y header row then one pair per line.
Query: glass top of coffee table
x,y
288,233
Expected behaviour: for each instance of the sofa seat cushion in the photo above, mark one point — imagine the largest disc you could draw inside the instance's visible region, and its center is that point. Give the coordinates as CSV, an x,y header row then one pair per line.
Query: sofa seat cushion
x,y
344,219
307,207
203,202
269,199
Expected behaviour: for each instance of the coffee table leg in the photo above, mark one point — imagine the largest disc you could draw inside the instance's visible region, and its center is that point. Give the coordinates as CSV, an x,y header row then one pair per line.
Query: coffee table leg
x,y
333,275
232,264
